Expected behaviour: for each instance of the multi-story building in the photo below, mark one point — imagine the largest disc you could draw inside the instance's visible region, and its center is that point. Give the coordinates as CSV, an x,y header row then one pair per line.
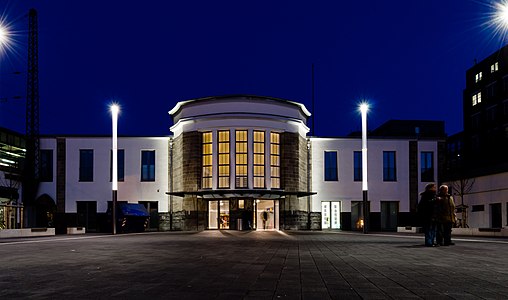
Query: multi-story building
x,y
242,162
477,160
12,157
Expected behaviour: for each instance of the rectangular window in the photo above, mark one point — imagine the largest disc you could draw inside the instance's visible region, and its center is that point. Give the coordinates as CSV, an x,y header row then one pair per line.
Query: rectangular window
x,y
120,166
331,170
85,165
478,77
358,165
241,159
259,159
478,208
491,90
477,98
206,176
427,166
223,159
148,165
46,173
389,166
494,67
275,160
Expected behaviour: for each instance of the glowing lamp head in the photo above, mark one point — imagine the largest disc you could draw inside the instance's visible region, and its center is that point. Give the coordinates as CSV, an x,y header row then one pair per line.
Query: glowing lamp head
x,y
364,107
5,38
115,109
502,14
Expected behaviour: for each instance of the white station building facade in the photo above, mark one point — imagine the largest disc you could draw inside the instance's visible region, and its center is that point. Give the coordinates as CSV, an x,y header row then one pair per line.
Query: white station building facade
x,y
238,162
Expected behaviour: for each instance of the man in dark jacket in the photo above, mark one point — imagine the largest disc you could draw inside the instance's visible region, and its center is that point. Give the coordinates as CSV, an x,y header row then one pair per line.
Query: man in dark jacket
x,y
426,213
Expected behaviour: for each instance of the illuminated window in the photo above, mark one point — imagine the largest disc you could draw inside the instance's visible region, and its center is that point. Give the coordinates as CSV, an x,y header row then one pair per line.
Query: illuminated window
x,y
206,177
223,159
331,173
477,98
494,67
478,77
241,159
259,159
275,160
241,204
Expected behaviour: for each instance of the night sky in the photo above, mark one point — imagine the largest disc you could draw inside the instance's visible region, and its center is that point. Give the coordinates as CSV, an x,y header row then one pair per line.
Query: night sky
x,y
407,58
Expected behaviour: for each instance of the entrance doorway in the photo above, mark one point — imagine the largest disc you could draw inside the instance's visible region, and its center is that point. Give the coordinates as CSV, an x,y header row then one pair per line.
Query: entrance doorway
x,y
218,214
267,215
153,209
330,212
496,215
87,215
389,212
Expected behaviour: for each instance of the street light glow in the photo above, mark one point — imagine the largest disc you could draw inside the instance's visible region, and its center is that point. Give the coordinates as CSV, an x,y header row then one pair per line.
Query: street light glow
x,y
114,108
364,107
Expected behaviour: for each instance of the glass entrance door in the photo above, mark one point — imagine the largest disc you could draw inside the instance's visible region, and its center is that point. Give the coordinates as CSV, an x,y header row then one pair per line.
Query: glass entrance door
x,y
330,215
267,214
218,214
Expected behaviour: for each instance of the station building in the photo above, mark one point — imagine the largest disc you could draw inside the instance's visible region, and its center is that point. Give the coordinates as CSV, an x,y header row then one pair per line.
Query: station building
x,y
243,162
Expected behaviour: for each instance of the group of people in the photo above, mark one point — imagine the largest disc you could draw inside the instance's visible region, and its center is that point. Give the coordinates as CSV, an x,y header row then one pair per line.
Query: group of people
x,y
437,212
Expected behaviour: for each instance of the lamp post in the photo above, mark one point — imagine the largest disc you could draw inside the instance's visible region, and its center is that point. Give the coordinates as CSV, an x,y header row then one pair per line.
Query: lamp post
x,y
115,109
364,107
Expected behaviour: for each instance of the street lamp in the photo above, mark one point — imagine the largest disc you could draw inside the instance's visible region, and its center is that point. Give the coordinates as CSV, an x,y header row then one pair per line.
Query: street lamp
x,y
115,109
364,107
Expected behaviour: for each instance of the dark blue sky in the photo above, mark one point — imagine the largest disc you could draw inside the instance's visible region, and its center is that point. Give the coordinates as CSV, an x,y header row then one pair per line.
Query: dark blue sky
x,y
408,58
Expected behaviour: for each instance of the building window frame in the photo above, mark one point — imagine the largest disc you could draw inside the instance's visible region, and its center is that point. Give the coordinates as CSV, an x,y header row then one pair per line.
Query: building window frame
x,y
241,158
275,160
148,165
223,159
478,77
494,67
477,98
389,166
206,160
258,143
427,166
46,169
331,163
86,162
357,166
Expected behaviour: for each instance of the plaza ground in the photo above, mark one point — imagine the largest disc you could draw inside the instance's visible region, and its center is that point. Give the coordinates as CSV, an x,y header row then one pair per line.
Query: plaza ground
x,y
252,265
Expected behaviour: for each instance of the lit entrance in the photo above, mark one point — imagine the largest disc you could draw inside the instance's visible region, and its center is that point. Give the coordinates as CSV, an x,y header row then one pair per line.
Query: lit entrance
x,y
218,214
330,215
267,215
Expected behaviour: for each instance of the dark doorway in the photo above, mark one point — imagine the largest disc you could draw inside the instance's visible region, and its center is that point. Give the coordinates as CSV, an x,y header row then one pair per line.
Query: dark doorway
x,y
87,215
389,213
153,209
495,213
45,209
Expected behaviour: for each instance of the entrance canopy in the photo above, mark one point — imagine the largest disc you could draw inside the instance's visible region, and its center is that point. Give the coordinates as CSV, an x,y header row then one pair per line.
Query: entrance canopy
x,y
259,194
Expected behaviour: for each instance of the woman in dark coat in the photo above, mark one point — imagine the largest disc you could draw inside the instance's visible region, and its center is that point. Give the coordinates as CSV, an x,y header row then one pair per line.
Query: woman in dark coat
x,y
427,215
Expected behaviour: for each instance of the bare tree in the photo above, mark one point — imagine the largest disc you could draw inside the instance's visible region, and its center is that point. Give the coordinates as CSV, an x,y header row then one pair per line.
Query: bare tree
x,y
462,187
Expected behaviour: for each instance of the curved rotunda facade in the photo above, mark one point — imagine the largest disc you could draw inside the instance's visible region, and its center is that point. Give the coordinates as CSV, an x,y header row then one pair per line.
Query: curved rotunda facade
x,y
239,162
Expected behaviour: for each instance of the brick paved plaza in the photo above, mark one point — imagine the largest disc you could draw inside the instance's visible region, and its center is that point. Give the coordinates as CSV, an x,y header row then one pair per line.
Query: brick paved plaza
x,y
252,265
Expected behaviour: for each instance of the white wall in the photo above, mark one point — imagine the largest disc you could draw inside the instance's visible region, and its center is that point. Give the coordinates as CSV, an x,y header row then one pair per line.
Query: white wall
x,y
131,189
49,188
347,190
486,190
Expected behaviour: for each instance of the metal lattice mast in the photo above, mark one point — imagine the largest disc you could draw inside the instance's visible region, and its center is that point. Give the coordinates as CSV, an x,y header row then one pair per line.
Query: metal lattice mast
x,y
32,99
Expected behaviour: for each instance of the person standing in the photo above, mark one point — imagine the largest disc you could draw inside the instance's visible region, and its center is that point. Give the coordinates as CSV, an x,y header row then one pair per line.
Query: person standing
x,y
445,213
426,213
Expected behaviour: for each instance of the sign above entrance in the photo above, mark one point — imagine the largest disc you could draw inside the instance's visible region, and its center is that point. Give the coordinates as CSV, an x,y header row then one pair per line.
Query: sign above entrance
x,y
260,194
